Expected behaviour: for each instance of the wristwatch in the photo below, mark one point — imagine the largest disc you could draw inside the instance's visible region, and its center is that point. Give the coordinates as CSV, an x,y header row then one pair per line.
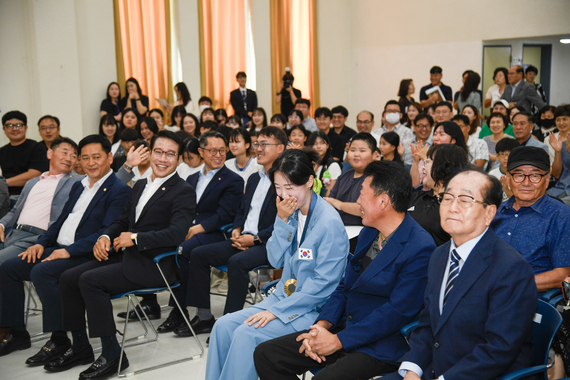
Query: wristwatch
x,y
127,167
256,240
134,238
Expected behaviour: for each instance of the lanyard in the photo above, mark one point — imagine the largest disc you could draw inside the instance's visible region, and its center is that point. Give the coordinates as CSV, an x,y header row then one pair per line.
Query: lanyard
x,y
303,236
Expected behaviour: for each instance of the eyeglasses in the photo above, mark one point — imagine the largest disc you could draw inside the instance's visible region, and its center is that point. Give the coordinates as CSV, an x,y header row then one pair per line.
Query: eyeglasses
x,y
213,152
170,154
363,121
423,126
10,126
48,128
464,201
533,178
261,145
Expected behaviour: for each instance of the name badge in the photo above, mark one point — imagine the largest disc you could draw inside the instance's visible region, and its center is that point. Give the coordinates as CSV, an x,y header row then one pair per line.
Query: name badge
x,y
305,254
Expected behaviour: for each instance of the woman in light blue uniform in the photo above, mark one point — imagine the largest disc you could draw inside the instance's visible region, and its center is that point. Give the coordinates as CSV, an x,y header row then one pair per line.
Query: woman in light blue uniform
x,y
310,243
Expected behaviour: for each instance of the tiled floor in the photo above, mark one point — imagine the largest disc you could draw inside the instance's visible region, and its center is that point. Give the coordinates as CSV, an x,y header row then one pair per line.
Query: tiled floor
x,y
168,347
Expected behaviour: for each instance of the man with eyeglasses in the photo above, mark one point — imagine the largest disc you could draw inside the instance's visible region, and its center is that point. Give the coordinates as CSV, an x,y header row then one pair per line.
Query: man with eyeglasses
x,y
48,126
154,221
219,192
532,222
21,159
481,296
245,250
423,125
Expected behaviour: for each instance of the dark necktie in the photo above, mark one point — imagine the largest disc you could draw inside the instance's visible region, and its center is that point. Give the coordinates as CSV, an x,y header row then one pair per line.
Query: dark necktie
x,y
453,273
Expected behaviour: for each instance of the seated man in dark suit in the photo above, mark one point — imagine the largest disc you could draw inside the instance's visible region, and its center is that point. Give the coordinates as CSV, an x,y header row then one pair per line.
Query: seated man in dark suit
x,y
481,296
245,250
381,292
243,100
219,192
155,220
94,203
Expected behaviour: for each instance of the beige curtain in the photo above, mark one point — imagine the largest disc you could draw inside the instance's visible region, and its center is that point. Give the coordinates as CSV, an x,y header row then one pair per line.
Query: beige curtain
x,y
222,48
142,43
294,45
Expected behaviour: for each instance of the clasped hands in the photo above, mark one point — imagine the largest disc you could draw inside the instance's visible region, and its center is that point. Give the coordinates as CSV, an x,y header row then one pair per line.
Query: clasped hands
x,y
239,241
36,251
319,342
103,245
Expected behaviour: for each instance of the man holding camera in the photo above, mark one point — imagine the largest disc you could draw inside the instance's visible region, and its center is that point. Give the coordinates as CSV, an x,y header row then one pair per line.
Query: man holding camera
x,y
288,94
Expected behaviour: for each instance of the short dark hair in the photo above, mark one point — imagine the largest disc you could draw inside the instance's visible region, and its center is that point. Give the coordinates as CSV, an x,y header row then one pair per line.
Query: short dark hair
x,y
462,118
501,116
492,193
191,145
367,138
296,112
171,136
531,69
14,115
244,134
506,144
275,133
520,69
395,102
562,110
150,124
340,109
444,104
303,101
447,159
424,116
126,111
501,70
529,116
94,139
60,140
241,74
204,99
129,135
391,178
296,165
221,112
158,111
109,120
211,134
300,127
49,117
436,70
209,125
280,117
453,130
368,112
323,111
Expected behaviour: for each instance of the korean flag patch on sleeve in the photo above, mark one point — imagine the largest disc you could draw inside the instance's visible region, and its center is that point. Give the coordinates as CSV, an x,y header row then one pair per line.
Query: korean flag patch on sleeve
x,y
305,254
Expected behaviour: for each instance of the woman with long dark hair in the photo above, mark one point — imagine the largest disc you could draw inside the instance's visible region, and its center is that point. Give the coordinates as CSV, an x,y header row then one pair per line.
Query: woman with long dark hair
x,y
109,128
389,143
469,94
134,98
327,168
111,105
405,93
306,249
258,120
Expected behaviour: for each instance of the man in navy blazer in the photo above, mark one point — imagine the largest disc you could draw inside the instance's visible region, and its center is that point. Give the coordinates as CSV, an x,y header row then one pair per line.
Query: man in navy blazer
x,y
219,192
243,100
245,250
481,296
357,334
94,203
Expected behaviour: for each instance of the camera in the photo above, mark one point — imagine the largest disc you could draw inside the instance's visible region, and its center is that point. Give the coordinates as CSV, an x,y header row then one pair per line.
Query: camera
x,y
288,78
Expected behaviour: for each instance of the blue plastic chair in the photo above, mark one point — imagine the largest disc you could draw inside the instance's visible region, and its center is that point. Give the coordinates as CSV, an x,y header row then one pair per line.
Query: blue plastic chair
x,y
134,302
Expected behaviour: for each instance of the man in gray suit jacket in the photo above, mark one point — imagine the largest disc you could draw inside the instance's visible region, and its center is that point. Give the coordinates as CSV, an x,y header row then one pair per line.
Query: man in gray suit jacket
x,y
520,93
41,201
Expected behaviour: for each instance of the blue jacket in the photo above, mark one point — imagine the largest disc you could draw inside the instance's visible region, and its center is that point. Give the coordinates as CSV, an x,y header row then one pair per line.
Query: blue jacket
x,y
268,209
59,198
485,330
220,200
103,209
386,296
316,277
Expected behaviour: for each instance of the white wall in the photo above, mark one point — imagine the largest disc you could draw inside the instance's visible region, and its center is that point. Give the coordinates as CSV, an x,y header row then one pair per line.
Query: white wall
x,y
262,46
62,57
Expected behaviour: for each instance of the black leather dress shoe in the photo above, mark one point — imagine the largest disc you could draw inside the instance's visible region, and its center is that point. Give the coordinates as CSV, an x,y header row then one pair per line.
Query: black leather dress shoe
x,y
11,343
49,352
102,369
199,327
69,360
152,311
173,321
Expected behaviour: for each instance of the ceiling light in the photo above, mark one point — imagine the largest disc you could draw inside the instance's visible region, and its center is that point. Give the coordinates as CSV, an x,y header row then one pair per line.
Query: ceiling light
x,y
565,40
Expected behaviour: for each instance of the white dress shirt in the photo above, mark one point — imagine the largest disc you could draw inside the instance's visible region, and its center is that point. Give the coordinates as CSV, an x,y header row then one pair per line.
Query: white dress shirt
x,y
463,251
149,190
254,212
203,182
66,234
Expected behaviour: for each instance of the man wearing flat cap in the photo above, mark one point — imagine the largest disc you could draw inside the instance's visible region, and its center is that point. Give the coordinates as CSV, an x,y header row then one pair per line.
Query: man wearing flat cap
x,y
532,222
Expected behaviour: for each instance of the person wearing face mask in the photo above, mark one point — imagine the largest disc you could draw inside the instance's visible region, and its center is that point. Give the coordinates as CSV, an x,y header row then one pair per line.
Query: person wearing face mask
x,y
393,115
203,103
546,123
313,257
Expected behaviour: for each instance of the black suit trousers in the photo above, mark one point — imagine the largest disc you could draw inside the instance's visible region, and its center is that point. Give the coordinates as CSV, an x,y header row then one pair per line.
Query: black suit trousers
x,y
89,287
279,359
239,264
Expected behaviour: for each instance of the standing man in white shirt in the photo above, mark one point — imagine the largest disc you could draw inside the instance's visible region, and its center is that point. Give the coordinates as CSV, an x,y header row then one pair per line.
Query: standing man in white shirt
x,y
94,203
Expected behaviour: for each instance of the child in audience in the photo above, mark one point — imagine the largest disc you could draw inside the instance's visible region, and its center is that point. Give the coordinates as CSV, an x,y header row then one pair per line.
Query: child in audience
x,y
177,114
297,137
234,122
361,152
192,161
243,164
278,120
389,143
147,128
329,169
158,116
130,119
221,116
258,120
208,114
190,124
503,149
108,128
